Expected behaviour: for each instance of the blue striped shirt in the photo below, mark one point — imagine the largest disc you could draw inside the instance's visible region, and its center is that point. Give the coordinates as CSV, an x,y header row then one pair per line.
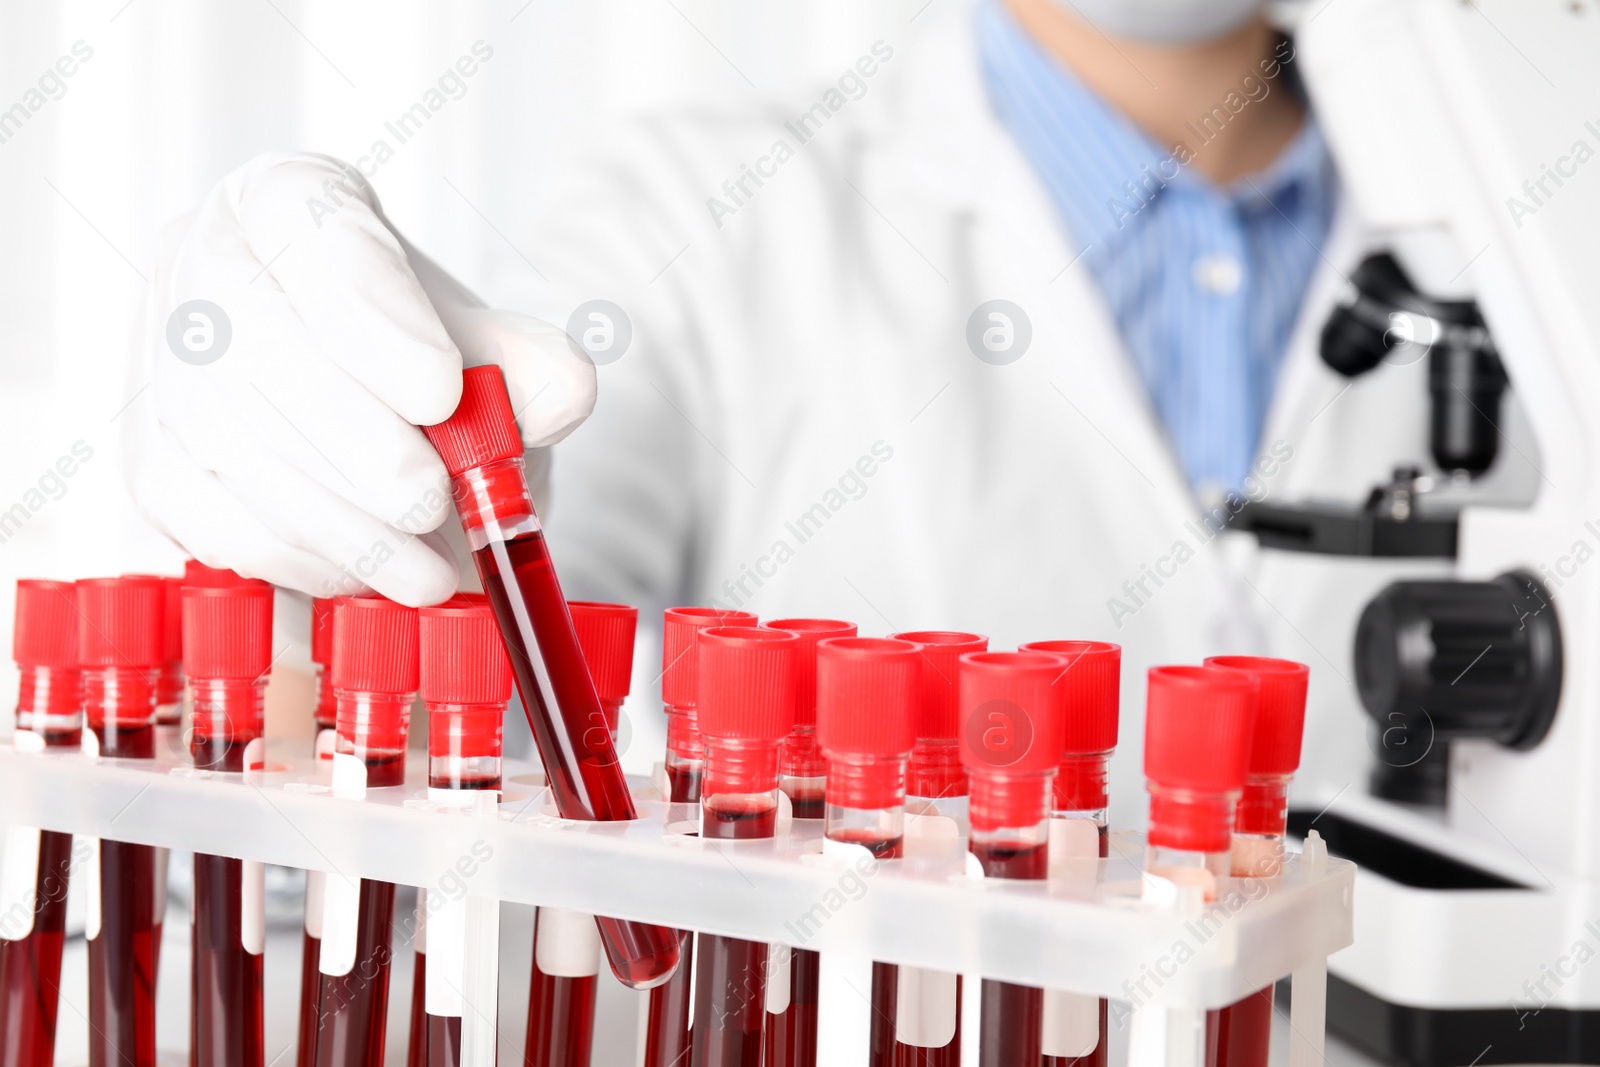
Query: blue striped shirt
x,y
1204,282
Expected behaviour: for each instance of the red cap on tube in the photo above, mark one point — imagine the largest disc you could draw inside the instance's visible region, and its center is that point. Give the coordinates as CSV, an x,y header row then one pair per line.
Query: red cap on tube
x,y
463,660
810,632
680,663
322,630
120,621
374,646
1011,712
227,631
866,696
746,683
1198,723
197,573
605,634
483,428
1091,686
1280,711
45,632
938,686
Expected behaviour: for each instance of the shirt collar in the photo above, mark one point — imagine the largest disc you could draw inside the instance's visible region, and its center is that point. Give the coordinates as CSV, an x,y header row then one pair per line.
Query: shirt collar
x,y
1091,158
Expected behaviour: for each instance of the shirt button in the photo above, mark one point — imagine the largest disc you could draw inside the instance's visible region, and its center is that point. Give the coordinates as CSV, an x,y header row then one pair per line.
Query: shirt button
x,y
1219,274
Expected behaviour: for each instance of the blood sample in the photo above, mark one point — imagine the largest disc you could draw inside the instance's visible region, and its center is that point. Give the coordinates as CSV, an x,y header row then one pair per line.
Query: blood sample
x,y
666,1040
324,715
866,726
1244,1029
1074,1030
375,668
227,651
482,450
1198,728
417,1032
746,709
791,1036
935,772
1010,710
119,649
565,958
44,645
465,681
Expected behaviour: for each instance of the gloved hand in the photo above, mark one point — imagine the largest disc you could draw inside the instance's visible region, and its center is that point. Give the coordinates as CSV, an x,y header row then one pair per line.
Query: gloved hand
x,y
279,434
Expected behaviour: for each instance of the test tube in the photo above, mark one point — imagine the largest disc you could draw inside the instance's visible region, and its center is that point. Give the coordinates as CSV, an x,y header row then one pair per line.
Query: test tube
x,y
866,726
119,649
935,776
374,673
324,716
791,1035
746,709
227,652
666,1036
1010,746
566,954
1074,1029
1198,727
465,681
1244,1029
44,645
482,450
170,680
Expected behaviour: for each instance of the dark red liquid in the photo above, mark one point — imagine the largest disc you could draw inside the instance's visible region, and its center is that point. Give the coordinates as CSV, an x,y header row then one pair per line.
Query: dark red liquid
x,y
122,967
310,990
807,803
384,768
791,1038
62,738
666,1041
1243,1031
683,782
353,1008
216,753
444,1041
30,968
1097,1058
227,1009
580,761
728,1002
738,818
417,1033
1010,1015
560,1018
126,741
885,1002
463,781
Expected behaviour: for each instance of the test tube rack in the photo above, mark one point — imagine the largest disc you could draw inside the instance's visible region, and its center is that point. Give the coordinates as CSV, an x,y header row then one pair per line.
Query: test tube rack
x,y
1158,947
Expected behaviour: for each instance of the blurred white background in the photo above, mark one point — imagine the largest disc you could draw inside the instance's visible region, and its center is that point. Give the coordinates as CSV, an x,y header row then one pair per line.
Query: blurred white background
x,y
175,93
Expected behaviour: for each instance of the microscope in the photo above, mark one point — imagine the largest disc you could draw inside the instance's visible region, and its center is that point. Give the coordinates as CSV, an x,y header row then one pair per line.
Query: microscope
x,y
1467,133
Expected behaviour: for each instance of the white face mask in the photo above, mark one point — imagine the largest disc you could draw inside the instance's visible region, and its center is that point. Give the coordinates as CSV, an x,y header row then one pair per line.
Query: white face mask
x,y
1172,22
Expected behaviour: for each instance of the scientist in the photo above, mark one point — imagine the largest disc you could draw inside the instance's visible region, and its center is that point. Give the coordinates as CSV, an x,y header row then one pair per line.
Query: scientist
x,y
990,334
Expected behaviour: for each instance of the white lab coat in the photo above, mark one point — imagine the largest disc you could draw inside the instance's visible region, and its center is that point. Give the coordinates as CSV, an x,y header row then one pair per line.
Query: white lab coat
x,y
822,325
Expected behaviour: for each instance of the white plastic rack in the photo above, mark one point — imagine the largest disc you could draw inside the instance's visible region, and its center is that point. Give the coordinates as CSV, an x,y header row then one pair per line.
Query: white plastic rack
x,y
1110,931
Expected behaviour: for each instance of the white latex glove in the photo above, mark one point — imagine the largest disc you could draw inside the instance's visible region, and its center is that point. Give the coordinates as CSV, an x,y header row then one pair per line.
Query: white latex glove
x,y
294,455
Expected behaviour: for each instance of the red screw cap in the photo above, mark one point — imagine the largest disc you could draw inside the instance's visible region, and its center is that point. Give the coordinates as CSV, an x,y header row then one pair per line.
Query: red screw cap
x,y
120,621
605,634
1010,712
463,660
197,573
810,632
483,428
1091,687
322,630
866,695
374,646
680,663
45,631
938,687
747,683
1197,728
1280,710
227,631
